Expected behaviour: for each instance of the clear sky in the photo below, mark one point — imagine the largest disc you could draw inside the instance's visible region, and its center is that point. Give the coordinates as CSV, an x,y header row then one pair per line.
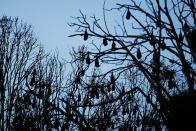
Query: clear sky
x,y
49,19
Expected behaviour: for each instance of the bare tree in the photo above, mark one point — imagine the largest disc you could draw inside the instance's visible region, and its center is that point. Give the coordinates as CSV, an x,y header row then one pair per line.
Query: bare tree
x,y
41,98
31,81
136,75
152,50
18,53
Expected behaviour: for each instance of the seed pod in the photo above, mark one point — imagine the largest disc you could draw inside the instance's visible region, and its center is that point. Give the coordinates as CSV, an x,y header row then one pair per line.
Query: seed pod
x,y
139,55
97,62
88,60
113,46
128,15
105,43
85,35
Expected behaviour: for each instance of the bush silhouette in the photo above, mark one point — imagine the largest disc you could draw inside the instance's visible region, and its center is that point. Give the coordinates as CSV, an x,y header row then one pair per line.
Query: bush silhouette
x,y
182,111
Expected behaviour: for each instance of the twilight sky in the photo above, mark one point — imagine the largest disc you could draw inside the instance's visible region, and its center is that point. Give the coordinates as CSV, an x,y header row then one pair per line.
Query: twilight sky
x,y
49,19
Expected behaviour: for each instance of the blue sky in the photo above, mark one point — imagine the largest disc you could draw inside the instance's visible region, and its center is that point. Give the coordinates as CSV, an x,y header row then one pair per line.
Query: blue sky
x,y
49,19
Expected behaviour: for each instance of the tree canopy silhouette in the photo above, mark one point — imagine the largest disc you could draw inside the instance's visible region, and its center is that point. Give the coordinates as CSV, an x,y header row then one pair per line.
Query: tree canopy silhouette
x,y
30,80
17,58
151,83
136,75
